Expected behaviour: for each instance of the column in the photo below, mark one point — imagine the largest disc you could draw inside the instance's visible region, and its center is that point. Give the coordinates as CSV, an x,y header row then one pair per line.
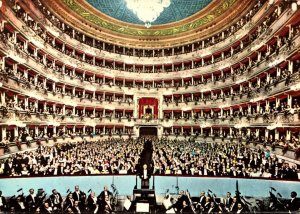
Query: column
x,y
290,66
289,101
288,134
3,98
16,131
266,133
3,130
276,134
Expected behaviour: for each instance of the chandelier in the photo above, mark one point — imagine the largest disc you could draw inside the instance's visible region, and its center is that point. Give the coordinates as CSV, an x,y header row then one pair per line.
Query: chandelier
x,y
147,10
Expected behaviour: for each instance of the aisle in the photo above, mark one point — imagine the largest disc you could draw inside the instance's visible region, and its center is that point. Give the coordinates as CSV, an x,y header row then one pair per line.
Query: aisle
x,y
146,155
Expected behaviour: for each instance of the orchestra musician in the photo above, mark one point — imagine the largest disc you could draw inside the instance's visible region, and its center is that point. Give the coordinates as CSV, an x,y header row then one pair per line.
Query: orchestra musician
x,y
3,204
201,203
79,196
228,201
185,207
69,202
92,203
106,206
30,201
293,204
56,200
178,205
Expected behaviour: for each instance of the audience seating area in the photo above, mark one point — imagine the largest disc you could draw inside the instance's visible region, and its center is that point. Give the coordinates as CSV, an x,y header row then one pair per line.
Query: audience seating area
x,y
233,90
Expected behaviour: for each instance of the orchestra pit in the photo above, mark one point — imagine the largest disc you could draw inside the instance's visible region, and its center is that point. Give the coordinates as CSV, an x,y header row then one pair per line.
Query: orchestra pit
x,y
139,106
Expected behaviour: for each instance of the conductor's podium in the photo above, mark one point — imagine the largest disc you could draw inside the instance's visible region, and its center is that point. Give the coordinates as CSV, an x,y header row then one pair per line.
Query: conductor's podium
x,y
144,200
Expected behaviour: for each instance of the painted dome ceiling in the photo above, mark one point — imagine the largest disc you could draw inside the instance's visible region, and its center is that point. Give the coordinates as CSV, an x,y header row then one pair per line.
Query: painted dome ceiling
x,y
172,22
174,11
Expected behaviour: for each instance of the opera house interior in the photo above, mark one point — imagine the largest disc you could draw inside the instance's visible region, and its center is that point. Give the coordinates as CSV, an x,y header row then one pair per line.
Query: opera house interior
x,y
150,106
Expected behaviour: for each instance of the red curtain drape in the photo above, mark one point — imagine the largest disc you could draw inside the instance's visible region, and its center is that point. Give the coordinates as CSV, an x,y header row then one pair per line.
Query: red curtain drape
x,y
148,102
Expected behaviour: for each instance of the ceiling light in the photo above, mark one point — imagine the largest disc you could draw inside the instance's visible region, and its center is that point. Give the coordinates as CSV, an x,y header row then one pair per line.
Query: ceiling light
x,y
147,11
294,6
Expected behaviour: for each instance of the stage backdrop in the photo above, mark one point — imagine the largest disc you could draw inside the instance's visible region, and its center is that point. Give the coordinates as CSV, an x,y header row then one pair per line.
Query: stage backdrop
x,y
148,101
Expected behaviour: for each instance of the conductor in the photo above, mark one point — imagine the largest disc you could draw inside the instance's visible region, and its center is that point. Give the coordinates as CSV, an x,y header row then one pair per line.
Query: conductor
x,y
145,176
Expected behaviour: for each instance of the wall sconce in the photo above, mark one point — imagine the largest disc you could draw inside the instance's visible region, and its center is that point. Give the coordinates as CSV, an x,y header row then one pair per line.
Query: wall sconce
x,y
294,6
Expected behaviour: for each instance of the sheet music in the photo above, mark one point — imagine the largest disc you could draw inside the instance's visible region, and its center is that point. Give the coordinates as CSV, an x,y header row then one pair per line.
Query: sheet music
x,y
127,204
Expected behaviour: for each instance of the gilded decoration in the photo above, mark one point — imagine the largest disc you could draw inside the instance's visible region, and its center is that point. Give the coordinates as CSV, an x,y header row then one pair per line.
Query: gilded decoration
x,y
132,31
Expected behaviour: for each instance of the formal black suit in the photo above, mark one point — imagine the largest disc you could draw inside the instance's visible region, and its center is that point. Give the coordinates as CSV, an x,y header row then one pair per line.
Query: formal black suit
x,y
81,197
7,168
179,203
18,207
76,210
293,205
101,197
85,172
228,202
69,203
31,202
44,210
233,207
4,204
206,206
213,173
56,201
91,204
145,178
241,211
214,209
202,201
186,209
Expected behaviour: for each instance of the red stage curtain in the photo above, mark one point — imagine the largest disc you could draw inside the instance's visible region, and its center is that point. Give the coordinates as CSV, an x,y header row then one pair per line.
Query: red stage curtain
x,y
148,102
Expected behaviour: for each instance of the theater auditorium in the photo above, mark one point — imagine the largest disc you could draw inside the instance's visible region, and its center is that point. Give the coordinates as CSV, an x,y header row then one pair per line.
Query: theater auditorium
x,y
150,106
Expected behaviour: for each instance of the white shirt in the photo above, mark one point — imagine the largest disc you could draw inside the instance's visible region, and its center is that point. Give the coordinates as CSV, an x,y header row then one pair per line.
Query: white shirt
x,y
239,211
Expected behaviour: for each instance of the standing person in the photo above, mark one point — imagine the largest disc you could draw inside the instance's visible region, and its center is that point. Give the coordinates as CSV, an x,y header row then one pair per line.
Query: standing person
x,y
79,196
3,204
228,201
145,176
103,195
293,205
30,201
56,200
201,203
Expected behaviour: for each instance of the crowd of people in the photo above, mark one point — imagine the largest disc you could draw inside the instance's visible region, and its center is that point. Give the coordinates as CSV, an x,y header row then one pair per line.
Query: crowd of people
x,y
170,157
76,201
209,203
114,156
